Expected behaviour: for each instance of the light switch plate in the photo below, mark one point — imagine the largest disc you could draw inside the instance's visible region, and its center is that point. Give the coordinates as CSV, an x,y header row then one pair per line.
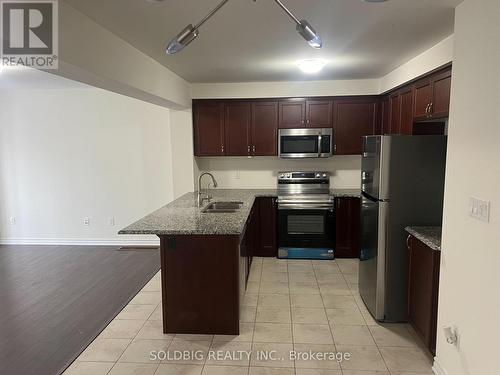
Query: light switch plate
x,y
479,209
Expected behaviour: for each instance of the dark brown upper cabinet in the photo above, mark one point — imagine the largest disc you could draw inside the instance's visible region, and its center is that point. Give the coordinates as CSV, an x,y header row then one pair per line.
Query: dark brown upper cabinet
x,y
423,99
208,121
353,118
237,119
432,96
264,128
406,111
394,114
249,127
235,128
319,113
292,113
298,113
441,89
397,112
385,112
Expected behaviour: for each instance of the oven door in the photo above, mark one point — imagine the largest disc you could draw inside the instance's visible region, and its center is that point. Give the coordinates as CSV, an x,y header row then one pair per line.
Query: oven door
x,y
306,228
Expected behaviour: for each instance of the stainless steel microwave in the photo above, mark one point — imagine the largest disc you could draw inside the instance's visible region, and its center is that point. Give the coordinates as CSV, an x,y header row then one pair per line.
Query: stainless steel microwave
x,y
305,143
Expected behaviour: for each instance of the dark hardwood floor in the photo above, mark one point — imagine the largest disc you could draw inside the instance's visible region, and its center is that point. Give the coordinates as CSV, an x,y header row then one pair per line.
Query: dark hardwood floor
x,y
54,300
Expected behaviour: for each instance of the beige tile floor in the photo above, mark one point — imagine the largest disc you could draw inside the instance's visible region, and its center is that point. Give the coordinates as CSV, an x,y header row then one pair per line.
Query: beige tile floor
x,y
296,305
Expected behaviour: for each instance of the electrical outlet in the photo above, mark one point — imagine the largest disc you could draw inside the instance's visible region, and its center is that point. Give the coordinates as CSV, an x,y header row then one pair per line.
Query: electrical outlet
x,y
111,221
86,221
479,209
237,175
451,335
12,220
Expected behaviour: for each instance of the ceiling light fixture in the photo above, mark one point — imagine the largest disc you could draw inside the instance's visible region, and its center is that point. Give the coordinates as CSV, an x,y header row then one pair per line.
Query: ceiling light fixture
x,y
304,28
190,32
311,66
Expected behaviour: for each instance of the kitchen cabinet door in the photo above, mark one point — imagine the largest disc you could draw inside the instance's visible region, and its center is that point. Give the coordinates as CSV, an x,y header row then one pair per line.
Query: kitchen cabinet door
x,y
441,95
348,218
265,128
422,99
319,113
237,128
386,124
423,288
208,122
292,113
394,114
406,103
267,246
353,119
254,232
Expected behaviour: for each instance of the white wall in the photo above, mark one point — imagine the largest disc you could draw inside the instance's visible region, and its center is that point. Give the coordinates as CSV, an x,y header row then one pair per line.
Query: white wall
x,y
435,57
71,153
284,89
471,249
91,54
261,172
184,169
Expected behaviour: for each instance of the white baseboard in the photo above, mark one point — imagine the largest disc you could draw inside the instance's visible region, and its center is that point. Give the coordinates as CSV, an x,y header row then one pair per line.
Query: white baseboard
x,y
437,368
81,241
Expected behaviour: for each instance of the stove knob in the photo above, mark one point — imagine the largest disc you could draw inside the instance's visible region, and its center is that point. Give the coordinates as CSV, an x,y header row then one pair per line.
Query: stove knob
x,y
318,175
282,175
324,175
288,175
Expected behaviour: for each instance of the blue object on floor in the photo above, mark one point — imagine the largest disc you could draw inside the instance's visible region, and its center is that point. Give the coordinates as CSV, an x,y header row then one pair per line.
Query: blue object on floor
x,y
305,253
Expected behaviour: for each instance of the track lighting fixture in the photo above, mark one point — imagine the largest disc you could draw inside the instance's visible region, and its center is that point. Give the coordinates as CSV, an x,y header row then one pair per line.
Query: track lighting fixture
x,y
190,32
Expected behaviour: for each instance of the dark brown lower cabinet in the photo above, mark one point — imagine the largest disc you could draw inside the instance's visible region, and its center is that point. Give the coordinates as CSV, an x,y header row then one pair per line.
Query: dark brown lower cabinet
x,y
348,217
266,245
423,287
200,284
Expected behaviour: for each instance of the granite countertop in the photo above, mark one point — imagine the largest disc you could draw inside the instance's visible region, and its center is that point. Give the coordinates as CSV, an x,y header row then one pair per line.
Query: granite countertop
x,y
184,217
431,236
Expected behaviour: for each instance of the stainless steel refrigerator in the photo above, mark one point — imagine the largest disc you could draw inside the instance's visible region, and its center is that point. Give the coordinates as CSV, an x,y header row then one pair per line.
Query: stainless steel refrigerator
x,y
402,183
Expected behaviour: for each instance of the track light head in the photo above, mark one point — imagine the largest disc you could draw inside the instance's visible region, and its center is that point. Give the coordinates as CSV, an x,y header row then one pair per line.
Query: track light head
x,y
305,29
181,40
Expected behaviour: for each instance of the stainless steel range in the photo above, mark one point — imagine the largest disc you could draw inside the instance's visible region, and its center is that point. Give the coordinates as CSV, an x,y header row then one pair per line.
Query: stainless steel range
x,y
306,216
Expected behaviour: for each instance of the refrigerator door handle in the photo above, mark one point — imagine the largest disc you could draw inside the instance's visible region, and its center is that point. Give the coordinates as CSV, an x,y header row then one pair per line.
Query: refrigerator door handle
x,y
381,261
371,198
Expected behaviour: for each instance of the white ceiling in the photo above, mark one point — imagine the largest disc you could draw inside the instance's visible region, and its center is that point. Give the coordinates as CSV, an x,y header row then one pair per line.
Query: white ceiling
x,y
256,41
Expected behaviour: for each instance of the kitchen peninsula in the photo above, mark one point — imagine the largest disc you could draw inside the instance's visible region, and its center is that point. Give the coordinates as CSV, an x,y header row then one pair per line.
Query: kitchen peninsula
x,y
206,258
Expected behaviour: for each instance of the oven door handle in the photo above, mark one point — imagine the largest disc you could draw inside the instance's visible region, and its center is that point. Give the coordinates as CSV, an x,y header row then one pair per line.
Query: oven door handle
x,y
305,206
319,145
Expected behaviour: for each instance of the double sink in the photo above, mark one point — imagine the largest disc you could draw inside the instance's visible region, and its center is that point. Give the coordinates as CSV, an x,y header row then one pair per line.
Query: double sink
x,y
222,207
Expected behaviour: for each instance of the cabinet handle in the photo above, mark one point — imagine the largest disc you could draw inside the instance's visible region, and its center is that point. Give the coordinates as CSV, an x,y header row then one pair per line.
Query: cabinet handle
x,y
253,149
427,109
408,242
248,148
308,121
335,147
431,107
222,148
302,122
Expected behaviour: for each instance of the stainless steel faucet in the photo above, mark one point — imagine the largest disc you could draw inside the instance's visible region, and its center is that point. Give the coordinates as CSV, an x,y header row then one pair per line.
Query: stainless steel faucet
x,y
207,196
